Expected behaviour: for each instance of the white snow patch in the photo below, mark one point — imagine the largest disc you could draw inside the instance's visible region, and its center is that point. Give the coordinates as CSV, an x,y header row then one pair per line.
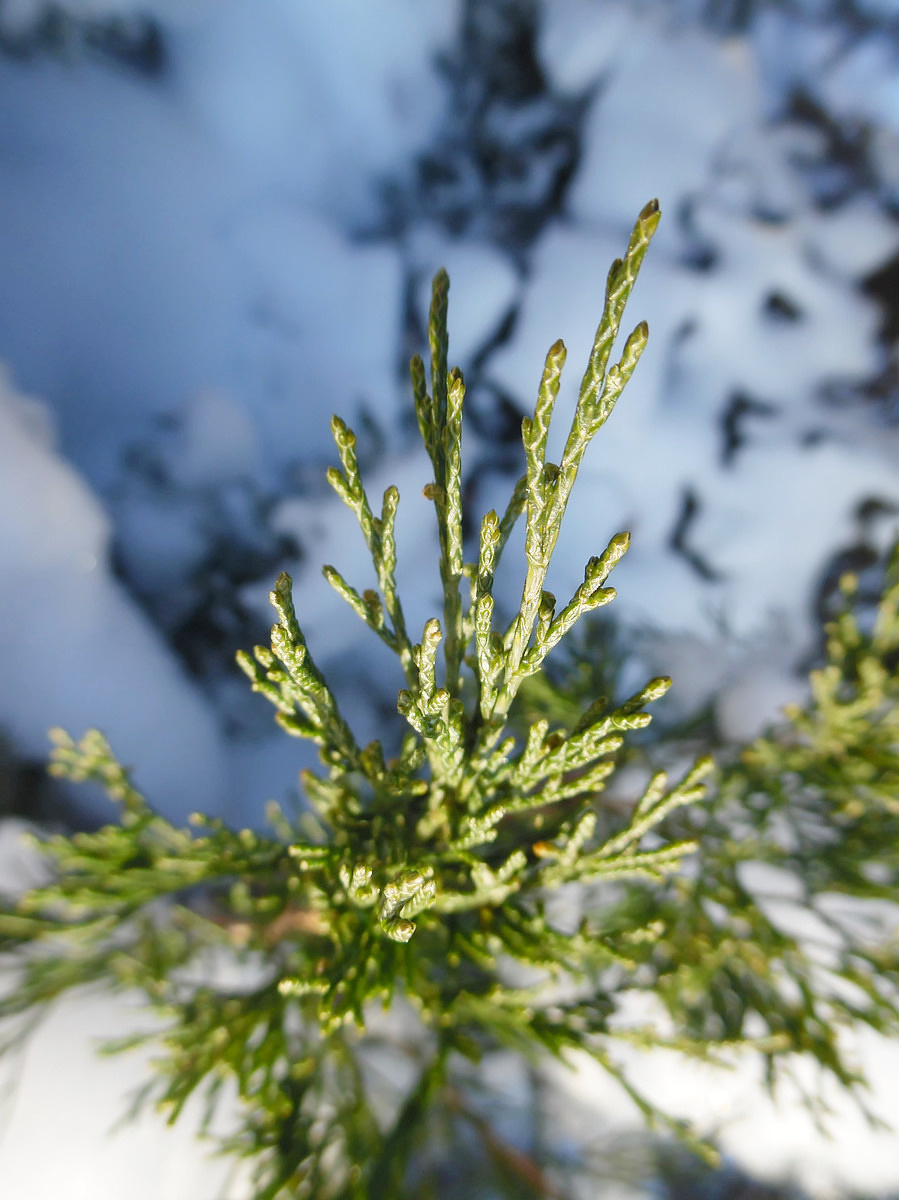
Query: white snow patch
x,y
865,82
74,650
773,1140
483,287
327,103
61,1128
672,100
217,443
753,702
324,318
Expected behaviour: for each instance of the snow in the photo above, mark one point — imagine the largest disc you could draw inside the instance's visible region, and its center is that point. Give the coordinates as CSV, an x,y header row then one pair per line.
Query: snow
x,y
204,284
199,266
21,16
484,287
778,1140
218,441
61,1119
662,90
323,316
665,436
74,648
865,82
96,238
301,98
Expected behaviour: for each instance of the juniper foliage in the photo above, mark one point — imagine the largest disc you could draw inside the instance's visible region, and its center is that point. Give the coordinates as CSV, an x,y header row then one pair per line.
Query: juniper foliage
x,y
782,931
816,799
422,880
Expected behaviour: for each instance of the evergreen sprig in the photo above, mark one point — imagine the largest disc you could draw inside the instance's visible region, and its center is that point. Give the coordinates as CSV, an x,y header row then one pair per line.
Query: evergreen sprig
x,y
799,832
422,879
816,800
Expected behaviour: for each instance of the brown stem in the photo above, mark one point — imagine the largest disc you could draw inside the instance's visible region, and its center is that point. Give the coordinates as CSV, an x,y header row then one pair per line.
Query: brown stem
x,y
503,1153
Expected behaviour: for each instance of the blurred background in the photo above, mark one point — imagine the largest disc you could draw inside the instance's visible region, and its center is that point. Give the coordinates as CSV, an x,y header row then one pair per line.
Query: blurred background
x,y
218,225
